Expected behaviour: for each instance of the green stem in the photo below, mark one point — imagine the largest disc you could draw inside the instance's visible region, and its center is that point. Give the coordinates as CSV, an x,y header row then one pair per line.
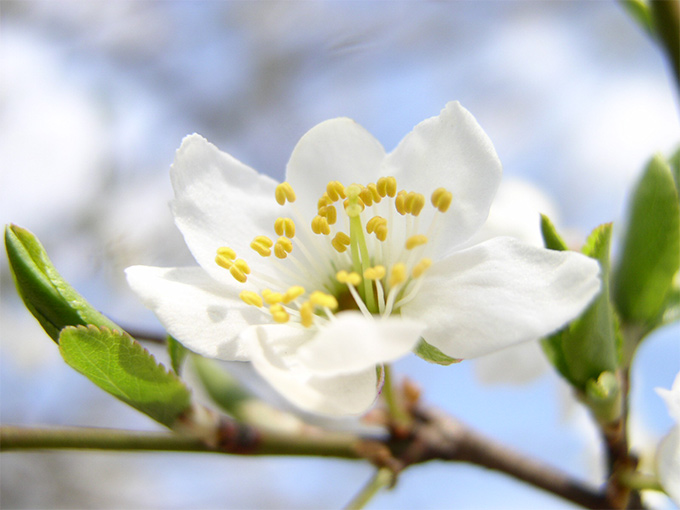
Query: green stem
x,y
395,405
383,477
641,481
237,439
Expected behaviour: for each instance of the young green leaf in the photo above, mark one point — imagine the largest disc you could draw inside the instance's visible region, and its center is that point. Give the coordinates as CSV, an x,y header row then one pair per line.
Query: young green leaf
x,y
552,240
51,300
177,353
590,345
120,366
650,254
433,355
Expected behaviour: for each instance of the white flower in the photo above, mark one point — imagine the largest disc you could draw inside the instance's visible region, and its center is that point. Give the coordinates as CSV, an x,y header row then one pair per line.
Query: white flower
x,y
318,281
668,451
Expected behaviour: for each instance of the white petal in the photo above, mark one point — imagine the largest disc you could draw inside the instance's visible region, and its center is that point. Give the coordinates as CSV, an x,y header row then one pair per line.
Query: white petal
x,y
272,350
194,309
219,201
517,364
672,398
450,151
500,293
668,464
352,343
335,150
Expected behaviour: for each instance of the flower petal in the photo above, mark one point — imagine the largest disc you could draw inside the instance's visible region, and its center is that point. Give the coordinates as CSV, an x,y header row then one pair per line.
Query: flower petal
x,y
668,464
500,293
335,150
194,309
272,351
450,151
219,201
352,343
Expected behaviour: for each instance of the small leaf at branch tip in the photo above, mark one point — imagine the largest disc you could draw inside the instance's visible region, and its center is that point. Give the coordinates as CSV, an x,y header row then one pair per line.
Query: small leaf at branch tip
x,y
433,355
118,364
551,239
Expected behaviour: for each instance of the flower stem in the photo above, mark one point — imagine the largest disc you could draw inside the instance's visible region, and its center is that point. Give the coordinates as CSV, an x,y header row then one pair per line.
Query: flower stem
x,y
395,405
383,477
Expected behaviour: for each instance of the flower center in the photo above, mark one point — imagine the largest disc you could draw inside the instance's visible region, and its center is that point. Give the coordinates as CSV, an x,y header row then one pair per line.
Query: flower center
x,y
370,256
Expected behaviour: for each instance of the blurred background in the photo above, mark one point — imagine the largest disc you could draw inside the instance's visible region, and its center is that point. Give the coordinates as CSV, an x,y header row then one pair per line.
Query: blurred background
x,y
96,96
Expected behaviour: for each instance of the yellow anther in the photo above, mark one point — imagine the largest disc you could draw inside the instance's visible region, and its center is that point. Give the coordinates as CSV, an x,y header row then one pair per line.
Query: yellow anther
x,y
335,190
421,267
279,314
387,186
284,226
283,247
262,245
374,192
330,213
414,203
366,196
227,252
320,225
397,274
378,226
238,275
441,199
375,273
242,266
223,261
319,298
293,293
348,278
307,314
283,192
340,242
271,297
251,298
324,201
400,202
416,240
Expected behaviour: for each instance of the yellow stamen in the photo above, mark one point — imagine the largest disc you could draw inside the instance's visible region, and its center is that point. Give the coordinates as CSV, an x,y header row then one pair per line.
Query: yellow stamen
x,y
400,202
366,196
377,225
223,261
387,186
238,274
262,245
251,298
441,199
414,203
374,193
307,314
227,252
348,278
283,247
340,242
283,192
319,298
324,201
375,273
293,293
416,240
320,225
335,190
284,226
271,297
398,274
421,267
279,314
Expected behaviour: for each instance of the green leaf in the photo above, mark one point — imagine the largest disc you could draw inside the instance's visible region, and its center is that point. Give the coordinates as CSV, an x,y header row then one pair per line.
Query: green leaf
x,y
120,366
46,294
551,238
177,354
589,345
433,355
224,389
650,254
674,162
640,12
